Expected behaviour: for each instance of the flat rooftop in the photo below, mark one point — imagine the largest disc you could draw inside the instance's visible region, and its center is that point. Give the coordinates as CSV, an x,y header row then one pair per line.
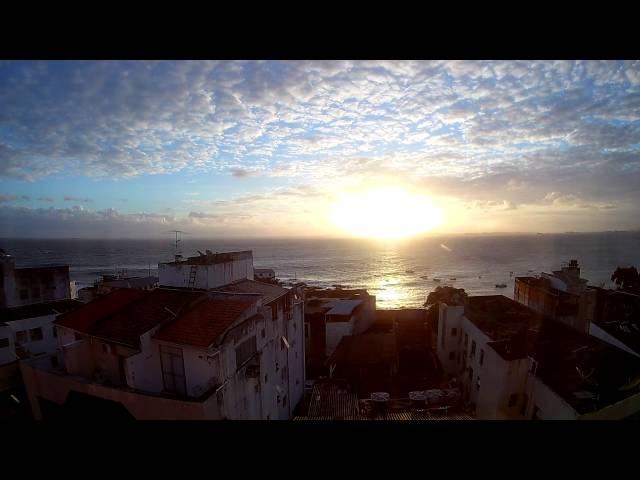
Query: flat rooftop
x,y
500,317
586,372
364,350
268,291
344,307
210,258
39,310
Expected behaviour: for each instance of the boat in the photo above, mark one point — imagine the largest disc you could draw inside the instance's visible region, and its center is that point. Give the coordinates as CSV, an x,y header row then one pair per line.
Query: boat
x,y
531,271
453,278
425,277
501,285
410,271
436,280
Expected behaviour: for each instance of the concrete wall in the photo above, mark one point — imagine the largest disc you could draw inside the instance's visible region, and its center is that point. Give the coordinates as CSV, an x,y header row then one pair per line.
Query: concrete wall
x,y
335,332
8,353
618,411
9,375
549,405
450,317
49,342
498,378
207,276
54,387
598,332
40,284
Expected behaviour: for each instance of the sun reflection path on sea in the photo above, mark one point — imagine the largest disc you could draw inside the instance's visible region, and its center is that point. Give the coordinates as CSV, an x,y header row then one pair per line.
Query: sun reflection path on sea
x,y
390,292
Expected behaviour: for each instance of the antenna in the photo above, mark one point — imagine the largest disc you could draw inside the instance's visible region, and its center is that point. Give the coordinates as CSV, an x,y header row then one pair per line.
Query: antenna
x,y
177,252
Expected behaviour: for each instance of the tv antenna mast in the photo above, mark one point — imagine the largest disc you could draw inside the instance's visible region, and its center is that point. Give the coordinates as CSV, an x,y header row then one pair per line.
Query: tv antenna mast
x,y
177,251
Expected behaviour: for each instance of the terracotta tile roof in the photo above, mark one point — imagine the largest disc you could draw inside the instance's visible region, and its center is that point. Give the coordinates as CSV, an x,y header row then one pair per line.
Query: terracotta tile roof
x,y
268,291
83,318
126,325
125,314
203,323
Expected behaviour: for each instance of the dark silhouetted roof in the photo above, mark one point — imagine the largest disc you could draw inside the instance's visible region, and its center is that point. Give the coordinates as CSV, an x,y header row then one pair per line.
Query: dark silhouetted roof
x,y
125,314
363,350
268,291
204,322
498,316
135,282
39,310
212,258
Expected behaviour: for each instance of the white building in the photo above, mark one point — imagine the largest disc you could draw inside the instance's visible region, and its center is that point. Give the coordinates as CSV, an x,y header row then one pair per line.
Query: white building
x,y
31,285
329,316
210,270
233,353
510,364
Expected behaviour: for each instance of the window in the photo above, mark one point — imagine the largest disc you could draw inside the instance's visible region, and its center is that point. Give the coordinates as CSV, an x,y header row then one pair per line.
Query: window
x,y
454,332
470,373
36,334
266,378
284,401
54,330
22,337
466,340
513,399
481,356
451,355
473,348
458,357
245,351
172,363
24,294
4,342
262,333
523,408
478,384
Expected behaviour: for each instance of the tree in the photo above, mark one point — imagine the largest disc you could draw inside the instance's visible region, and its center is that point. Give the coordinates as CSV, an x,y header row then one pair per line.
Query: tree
x,y
449,295
627,278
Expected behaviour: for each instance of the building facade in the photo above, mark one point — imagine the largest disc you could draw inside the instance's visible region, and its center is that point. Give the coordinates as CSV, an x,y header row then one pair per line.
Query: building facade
x,y
236,352
31,285
512,363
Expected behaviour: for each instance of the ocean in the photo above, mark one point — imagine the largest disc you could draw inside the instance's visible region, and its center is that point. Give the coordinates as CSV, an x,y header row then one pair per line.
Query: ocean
x,y
393,271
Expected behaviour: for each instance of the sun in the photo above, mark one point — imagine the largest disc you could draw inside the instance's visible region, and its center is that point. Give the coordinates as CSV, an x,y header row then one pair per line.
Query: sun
x,y
385,213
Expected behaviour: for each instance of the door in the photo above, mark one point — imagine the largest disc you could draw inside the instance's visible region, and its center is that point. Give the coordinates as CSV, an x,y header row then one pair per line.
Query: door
x,y
173,376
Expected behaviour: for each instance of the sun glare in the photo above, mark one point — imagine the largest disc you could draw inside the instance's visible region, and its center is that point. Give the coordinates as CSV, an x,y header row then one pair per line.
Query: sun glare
x,y
387,213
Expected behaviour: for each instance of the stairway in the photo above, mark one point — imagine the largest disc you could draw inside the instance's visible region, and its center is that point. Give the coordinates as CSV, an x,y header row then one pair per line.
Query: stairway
x,y
192,276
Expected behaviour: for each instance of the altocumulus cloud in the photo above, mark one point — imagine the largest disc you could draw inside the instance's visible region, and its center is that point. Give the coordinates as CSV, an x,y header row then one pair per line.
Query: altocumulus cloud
x,y
495,131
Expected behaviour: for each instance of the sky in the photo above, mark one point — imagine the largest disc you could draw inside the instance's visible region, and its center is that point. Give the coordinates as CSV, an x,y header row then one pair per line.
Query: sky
x,y
270,148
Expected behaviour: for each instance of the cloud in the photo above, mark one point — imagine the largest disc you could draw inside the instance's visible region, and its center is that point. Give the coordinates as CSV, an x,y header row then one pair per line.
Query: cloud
x,y
242,173
70,198
45,199
119,119
4,198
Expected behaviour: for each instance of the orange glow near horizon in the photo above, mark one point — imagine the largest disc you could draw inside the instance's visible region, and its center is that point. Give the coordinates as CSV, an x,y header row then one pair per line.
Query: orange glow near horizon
x,y
385,213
